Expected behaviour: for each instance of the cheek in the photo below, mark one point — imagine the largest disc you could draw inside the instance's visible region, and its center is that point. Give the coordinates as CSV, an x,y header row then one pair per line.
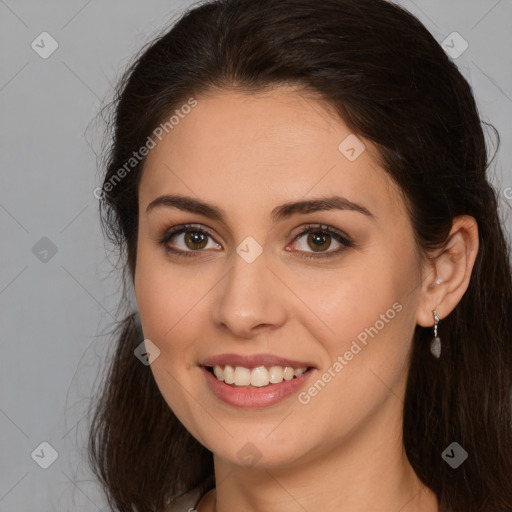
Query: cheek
x,y
154,299
167,297
169,303
364,321
349,304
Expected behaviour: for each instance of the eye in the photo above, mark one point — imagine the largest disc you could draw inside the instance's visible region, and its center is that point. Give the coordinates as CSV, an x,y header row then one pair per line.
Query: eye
x,y
319,238
194,239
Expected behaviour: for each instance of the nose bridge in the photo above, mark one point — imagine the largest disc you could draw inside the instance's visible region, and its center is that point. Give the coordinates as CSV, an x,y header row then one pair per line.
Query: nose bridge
x,y
250,296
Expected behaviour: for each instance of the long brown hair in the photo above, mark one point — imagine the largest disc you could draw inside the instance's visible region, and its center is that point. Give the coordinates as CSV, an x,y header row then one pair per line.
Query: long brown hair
x,y
391,82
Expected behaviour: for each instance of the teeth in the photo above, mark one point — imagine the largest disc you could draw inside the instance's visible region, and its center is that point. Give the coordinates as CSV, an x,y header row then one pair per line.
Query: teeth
x,y
276,374
229,374
242,376
217,370
257,377
288,373
299,371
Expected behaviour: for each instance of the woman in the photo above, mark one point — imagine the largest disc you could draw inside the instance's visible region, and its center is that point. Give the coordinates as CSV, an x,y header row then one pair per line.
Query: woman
x,y
323,288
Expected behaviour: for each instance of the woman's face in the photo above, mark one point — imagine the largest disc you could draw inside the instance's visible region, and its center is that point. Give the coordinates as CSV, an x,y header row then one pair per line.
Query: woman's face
x,y
248,288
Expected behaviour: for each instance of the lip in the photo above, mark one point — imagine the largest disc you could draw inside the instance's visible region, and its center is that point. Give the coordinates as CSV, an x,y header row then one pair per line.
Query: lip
x,y
253,361
254,397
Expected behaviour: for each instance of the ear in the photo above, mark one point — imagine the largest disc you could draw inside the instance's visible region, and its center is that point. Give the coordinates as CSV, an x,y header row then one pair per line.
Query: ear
x,y
445,278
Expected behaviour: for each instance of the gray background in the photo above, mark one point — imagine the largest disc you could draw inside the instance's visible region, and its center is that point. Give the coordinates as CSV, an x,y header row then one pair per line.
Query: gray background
x,y
55,307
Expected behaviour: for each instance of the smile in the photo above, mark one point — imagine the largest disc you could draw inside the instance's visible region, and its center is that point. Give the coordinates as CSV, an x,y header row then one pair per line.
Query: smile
x,y
256,377
242,393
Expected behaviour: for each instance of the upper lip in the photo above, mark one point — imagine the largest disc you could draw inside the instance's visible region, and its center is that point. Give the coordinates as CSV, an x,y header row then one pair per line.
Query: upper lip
x,y
253,361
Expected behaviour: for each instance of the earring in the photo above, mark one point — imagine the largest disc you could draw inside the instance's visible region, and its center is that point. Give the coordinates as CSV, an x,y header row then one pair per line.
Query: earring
x,y
435,344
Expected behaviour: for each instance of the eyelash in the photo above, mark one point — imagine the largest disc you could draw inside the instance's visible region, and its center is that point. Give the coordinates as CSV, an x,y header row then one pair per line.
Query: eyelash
x,y
338,236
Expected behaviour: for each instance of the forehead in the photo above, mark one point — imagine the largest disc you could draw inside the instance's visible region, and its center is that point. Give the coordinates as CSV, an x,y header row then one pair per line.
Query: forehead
x,y
269,147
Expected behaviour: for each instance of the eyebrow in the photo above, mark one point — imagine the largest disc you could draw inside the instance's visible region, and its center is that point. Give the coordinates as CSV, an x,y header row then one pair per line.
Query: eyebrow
x,y
281,212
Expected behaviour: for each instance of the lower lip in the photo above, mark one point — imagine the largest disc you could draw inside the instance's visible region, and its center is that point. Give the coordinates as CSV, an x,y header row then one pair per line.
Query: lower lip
x,y
248,396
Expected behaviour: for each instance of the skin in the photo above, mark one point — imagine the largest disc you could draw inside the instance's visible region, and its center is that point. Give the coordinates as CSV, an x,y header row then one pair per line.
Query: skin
x,y
247,154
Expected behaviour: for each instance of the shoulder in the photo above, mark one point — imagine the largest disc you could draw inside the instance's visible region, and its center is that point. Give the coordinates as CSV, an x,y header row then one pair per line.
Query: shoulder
x,y
186,502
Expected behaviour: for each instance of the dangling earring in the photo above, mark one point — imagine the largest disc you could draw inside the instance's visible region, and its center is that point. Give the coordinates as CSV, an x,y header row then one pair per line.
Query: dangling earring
x,y
435,344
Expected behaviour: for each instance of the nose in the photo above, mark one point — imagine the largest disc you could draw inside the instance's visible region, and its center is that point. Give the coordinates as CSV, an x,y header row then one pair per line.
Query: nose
x,y
251,299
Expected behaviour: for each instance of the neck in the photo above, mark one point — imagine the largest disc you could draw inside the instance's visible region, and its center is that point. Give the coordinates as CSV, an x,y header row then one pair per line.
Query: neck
x,y
369,470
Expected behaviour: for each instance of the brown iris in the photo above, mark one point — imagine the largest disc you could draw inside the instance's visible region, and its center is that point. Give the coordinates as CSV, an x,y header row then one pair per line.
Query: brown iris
x,y
195,238
319,239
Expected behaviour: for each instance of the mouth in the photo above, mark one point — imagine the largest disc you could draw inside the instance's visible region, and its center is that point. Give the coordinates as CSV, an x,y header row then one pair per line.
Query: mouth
x,y
256,377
